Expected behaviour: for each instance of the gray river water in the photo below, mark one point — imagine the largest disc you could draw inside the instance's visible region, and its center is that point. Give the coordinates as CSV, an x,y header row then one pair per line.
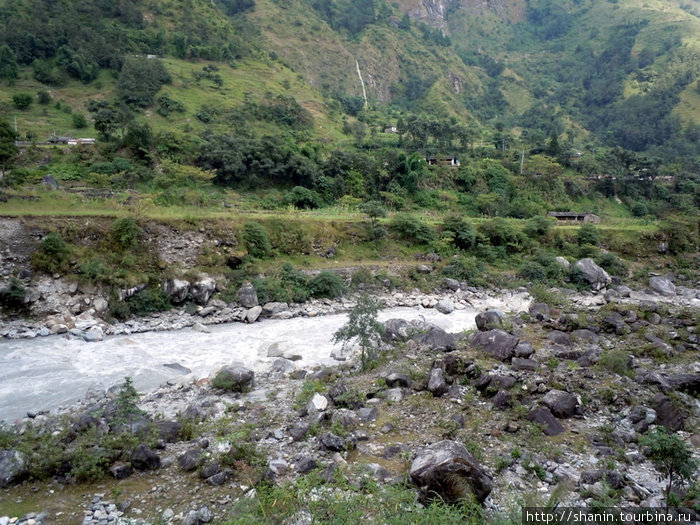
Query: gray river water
x,y
46,373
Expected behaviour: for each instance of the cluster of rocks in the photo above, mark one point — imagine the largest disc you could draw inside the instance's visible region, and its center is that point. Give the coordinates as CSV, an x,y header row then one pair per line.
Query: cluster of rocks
x,y
101,512
30,519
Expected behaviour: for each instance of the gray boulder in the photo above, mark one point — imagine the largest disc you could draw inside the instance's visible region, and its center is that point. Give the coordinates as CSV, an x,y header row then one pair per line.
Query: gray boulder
x,y
593,274
394,380
93,335
191,459
524,349
202,290
446,469
668,414
247,296
12,466
176,290
496,343
397,329
542,416
270,309
561,261
50,182
234,378
561,404
436,383
662,285
437,339
489,320
253,314
143,458
445,306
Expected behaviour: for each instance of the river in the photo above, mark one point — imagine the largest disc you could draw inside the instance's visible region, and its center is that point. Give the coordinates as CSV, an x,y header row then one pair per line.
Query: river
x,y
46,373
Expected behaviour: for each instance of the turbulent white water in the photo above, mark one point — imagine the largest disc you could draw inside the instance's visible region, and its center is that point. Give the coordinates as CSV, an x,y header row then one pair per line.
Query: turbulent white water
x,y
45,373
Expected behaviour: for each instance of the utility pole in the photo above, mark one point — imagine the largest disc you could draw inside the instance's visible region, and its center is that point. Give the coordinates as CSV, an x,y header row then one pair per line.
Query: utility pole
x,y
522,161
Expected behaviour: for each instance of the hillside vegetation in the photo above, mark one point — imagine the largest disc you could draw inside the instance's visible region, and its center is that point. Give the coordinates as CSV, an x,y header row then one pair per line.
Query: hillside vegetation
x,y
354,111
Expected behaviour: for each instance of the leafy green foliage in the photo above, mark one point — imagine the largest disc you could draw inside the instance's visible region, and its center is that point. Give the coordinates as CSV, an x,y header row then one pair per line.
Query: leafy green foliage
x,y
126,233
671,457
147,301
140,79
588,234
362,326
463,233
412,229
22,100
52,255
256,240
303,198
326,284
468,269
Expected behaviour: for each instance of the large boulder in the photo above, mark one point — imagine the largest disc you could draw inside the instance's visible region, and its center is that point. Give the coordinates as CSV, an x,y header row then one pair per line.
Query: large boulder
x,y
436,339
445,306
593,274
496,343
560,403
397,330
234,379
489,320
202,290
143,458
247,296
12,466
662,285
448,470
543,417
436,383
176,290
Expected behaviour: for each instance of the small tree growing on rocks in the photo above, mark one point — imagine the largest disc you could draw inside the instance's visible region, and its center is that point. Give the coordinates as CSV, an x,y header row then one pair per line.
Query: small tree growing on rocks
x,y
671,457
363,326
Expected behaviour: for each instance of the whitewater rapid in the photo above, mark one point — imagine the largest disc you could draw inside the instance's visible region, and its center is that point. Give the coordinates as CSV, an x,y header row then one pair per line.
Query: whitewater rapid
x,y
50,372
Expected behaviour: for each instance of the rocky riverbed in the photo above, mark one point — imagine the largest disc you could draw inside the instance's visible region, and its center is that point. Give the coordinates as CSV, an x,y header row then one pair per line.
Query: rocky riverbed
x,y
547,403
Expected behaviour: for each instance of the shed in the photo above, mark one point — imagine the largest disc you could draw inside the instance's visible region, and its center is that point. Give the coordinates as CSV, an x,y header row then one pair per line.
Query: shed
x,y
572,216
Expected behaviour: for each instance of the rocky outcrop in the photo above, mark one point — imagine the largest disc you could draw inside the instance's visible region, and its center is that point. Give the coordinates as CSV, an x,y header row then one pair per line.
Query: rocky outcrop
x,y
593,274
439,468
247,296
561,404
12,466
202,290
176,290
234,379
489,320
496,343
662,285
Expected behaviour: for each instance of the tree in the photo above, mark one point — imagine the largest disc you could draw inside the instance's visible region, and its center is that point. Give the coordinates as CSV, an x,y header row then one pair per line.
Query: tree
x,y
7,146
363,326
670,456
8,64
22,100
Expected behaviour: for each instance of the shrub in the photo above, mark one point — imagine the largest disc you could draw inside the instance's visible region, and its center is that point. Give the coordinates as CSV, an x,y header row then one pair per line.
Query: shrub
x,y
256,240
616,361
468,269
79,121
126,233
326,284
588,234
532,271
539,226
501,233
12,297
640,209
304,198
613,265
43,97
464,234
22,100
148,301
52,255
412,229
